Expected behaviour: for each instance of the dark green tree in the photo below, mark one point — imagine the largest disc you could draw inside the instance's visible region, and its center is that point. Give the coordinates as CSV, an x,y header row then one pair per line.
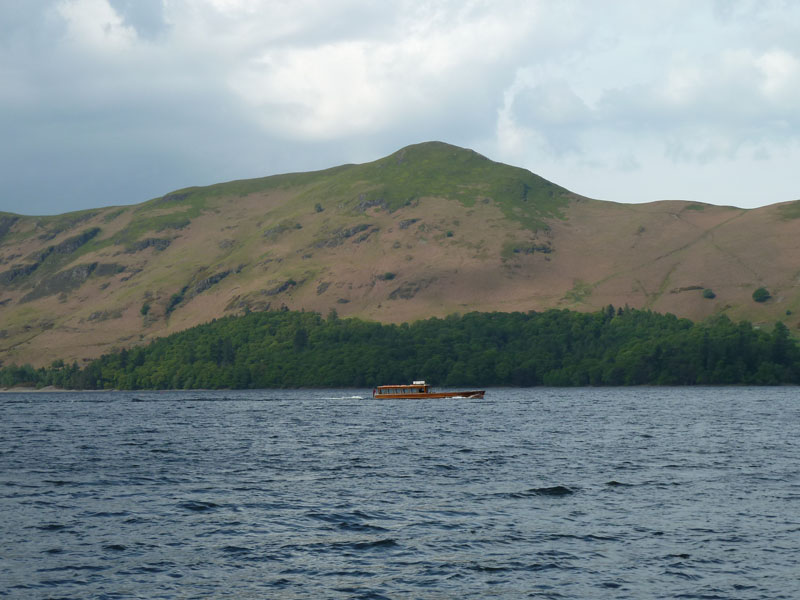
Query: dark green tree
x,y
761,295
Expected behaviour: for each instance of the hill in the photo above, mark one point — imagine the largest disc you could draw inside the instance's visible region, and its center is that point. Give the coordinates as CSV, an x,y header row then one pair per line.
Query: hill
x,y
430,230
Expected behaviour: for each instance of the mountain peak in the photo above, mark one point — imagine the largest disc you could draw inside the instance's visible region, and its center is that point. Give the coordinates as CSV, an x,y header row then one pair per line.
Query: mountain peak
x,y
435,154
441,170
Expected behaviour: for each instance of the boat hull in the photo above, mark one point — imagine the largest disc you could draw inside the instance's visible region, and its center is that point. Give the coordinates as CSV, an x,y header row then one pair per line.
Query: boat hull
x,y
472,394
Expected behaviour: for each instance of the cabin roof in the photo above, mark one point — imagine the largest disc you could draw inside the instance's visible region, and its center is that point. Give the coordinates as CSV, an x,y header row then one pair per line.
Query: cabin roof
x,y
404,385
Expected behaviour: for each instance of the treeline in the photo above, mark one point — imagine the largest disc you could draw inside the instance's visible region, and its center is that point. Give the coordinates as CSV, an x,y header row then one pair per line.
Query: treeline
x,y
554,348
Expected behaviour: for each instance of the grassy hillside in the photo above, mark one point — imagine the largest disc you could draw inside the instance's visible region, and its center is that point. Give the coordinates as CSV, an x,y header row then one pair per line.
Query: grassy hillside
x,y
430,230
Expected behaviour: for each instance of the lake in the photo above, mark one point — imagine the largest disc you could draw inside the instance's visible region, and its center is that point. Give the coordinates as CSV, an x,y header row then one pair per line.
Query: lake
x,y
529,493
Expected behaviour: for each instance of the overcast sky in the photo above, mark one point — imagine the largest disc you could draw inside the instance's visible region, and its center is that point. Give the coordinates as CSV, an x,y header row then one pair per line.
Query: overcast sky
x,y
108,102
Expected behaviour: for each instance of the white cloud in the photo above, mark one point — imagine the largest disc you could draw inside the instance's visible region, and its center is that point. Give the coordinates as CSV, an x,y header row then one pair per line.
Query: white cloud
x,y
781,73
95,26
366,85
673,97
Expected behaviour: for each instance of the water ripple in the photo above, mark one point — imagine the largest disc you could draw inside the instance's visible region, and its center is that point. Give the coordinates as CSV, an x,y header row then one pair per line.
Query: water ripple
x,y
613,493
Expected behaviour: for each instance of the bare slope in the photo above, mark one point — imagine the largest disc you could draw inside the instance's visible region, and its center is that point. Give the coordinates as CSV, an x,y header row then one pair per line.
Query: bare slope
x,y
430,230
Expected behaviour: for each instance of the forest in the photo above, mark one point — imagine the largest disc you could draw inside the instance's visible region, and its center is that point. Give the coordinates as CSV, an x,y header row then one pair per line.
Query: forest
x,y
611,347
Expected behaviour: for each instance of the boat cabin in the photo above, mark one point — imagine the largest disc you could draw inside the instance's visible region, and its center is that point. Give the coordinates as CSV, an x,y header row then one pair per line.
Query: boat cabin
x,y
417,387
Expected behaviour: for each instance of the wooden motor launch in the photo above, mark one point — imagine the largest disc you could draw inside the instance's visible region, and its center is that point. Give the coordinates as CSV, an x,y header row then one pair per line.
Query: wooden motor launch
x,y
420,389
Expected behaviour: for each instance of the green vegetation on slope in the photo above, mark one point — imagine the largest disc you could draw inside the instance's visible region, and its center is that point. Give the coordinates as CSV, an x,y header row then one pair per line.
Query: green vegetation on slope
x,y
431,169
790,210
50,259
7,220
557,347
436,169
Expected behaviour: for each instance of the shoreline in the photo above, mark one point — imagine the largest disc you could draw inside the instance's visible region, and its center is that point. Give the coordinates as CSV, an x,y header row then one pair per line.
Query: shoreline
x,y
49,388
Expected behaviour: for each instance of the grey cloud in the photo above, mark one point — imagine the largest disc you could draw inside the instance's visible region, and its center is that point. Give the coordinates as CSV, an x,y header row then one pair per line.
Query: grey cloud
x,y
555,112
145,16
22,16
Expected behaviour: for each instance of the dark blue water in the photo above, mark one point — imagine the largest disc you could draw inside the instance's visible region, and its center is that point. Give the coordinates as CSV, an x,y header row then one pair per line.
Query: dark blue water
x,y
543,493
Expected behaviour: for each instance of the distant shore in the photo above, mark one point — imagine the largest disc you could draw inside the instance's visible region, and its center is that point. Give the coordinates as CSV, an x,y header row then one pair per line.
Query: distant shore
x,y
19,389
